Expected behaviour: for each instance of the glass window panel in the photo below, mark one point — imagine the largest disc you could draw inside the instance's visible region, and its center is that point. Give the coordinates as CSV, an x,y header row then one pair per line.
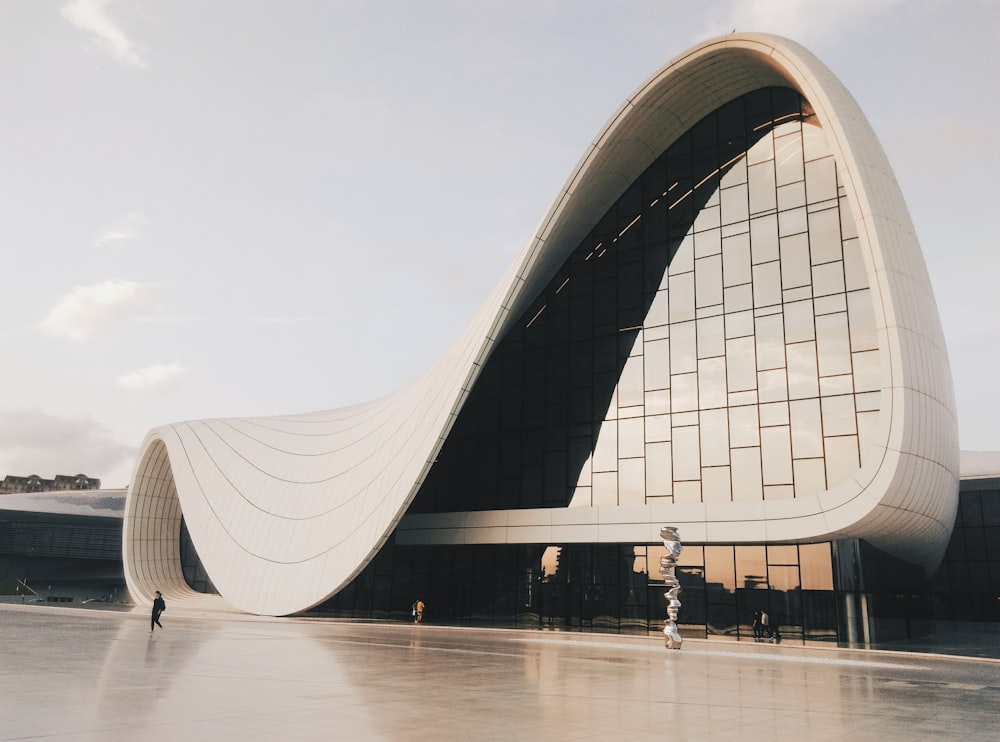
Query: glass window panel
x,y
712,383
736,173
784,579
833,345
630,383
746,475
687,453
658,402
762,150
657,428
680,419
711,337
788,157
824,236
767,284
868,402
751,567
791,196
744,426
715,484
861,320
810,477
739,324
741,364
736,259
683,260
792,221
814,142
632,482
784,555
764,239
691,556
770,339
656,359
807,431
631,438
659,469
828,278
659,310
761,187
720,568
740,399
799,321
830,386
683,348
661,332
710,216
821,180
681,297
684,392
714,429
795,270
842,459
854,266
605,488
848,227
735,204
867,371
869,427
816,566
739,298
839,416
776,455
708,281
605,457
706,244
773,413
772,386
803,377
830,304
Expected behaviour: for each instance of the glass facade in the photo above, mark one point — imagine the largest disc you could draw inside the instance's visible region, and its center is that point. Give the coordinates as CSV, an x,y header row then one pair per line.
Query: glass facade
x,y
712,339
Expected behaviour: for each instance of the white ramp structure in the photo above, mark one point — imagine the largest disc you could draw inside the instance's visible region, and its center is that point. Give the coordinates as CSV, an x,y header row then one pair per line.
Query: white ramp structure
x,y
784,381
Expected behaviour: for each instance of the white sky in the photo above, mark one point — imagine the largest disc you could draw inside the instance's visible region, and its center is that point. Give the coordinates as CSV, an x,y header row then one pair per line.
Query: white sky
x,y
223,208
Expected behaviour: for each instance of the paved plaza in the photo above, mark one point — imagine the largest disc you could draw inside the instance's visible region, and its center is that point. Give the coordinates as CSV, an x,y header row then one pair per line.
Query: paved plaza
x,y
79,674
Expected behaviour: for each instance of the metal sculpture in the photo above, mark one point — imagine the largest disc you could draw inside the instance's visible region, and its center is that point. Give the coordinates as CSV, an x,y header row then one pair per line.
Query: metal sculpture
x,y
668,562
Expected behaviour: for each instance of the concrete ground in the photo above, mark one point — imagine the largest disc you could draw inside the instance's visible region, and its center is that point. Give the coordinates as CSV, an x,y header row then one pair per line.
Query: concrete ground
x,y
79,674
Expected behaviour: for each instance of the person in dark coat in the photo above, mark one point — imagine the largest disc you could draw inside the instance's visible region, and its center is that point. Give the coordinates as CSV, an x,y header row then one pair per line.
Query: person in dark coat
x,y
158,607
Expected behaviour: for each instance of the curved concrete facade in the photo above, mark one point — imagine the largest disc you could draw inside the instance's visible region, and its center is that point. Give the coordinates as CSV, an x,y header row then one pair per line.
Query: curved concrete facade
x,y
285,511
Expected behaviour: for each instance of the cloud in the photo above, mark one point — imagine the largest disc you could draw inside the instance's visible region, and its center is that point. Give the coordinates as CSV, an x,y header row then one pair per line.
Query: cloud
x,y
88,310
152,378
91,16
126,228
35,442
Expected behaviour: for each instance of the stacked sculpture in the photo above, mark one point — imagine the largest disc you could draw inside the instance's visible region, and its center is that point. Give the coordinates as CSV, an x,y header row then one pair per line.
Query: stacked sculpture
x,y
667,564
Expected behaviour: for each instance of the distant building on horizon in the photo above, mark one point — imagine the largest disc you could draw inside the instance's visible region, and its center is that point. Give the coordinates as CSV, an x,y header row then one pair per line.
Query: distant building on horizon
x,y
35,483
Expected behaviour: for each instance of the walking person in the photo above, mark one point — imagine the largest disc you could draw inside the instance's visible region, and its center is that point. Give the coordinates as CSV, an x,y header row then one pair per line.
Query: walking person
x,y
159,606
418,611
757,629
765,624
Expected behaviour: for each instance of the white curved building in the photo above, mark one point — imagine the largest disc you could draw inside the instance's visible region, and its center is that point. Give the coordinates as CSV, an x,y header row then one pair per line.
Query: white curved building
x,y
723,323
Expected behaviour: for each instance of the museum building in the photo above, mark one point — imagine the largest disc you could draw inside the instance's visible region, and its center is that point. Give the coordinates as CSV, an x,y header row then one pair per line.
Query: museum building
x,y
723,323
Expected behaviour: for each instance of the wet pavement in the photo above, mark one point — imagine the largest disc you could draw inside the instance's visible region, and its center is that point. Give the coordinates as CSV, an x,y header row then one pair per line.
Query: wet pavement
x,y
78,674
